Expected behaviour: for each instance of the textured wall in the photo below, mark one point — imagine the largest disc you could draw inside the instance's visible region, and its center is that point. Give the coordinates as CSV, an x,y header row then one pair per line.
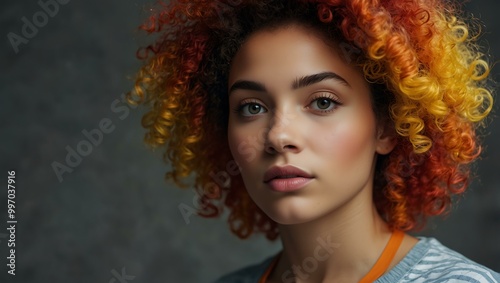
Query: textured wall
x,y
114,215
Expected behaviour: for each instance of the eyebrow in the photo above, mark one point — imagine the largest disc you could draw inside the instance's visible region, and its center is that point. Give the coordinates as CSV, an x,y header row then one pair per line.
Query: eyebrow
x,y
248,85
316,78
297,83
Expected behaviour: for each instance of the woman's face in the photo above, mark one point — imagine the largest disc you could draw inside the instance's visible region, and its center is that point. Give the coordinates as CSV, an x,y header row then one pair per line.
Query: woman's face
x,y
295,101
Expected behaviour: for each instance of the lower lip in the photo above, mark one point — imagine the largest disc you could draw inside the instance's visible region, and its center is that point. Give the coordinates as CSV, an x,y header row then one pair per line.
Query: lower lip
x,y
289,184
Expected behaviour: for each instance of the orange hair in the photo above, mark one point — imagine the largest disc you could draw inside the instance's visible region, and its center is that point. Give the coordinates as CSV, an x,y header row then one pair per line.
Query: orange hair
x,y
428,76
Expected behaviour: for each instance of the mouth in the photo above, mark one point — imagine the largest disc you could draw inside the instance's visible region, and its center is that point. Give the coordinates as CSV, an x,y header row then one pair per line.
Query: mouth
x,y
285,172
287,178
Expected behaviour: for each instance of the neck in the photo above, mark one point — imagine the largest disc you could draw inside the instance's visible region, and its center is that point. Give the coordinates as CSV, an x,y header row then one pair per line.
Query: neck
x,y
341,246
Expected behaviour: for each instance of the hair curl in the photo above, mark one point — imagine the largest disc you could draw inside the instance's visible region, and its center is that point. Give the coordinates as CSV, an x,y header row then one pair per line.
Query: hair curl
x,y
427,74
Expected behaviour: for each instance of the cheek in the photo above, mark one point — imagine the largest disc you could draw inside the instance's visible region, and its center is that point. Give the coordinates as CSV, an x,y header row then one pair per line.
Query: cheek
x,y
234,139
245,150
349,143
242,146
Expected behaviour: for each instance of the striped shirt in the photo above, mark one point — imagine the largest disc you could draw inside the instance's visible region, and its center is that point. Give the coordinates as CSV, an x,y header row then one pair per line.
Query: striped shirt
x,y
428,261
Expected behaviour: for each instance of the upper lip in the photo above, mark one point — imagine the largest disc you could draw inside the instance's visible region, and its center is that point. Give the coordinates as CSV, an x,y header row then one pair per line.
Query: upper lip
x,y
283,171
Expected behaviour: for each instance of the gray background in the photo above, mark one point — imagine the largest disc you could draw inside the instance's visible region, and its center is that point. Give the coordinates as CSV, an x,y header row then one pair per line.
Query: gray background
x,y
114,210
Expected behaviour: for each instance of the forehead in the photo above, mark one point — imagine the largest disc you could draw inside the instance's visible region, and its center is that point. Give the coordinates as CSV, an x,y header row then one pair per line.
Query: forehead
x,y
288,52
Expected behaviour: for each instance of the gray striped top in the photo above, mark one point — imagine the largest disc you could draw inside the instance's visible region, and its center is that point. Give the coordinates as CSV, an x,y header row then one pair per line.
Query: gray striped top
x,y
428,261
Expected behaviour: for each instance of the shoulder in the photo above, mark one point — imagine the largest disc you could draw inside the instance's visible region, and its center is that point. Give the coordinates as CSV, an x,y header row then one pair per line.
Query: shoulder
x,y
248,274
430,261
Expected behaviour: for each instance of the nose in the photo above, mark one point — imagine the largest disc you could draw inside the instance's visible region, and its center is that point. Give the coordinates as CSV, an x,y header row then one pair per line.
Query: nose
x,y
282,135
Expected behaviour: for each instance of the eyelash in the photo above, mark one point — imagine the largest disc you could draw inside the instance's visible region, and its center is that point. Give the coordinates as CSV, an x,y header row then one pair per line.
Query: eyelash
x,y
327,96
245,103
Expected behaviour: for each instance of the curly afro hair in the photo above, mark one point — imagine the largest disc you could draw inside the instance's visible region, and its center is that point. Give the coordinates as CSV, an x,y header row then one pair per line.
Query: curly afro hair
x,y
428,75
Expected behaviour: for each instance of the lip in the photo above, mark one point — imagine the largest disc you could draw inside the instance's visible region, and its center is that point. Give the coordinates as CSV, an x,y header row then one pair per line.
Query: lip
x,y
276,178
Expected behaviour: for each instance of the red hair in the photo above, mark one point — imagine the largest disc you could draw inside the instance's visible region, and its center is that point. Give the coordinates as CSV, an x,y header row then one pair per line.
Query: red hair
x,y
418,52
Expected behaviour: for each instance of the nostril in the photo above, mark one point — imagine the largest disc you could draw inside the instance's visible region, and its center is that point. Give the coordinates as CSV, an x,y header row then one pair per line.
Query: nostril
x,y
270,149
280,139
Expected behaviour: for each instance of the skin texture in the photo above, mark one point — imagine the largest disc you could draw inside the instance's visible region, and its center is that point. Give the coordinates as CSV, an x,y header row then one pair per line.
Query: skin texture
x,y
436,97
327,129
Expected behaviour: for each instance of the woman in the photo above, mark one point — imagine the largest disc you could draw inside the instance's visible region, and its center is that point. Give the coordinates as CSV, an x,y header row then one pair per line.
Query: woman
x,y
334,126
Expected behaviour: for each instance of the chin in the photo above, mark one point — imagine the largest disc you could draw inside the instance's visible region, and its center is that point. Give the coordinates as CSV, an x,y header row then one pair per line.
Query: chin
x,y
286,212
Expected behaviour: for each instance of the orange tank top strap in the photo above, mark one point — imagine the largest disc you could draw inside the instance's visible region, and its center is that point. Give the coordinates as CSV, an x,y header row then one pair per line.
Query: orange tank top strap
x,y
269,269
385,258
379,268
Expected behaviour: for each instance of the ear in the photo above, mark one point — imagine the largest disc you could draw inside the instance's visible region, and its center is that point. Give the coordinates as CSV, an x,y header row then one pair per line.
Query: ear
x,y
386,138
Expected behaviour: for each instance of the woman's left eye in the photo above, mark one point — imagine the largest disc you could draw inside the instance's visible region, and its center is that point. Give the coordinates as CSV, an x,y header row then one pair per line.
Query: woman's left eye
x,y
324,104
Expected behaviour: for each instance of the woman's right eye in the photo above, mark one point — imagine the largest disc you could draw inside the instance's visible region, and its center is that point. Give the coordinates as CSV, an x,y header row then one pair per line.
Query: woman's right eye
x,y
251,109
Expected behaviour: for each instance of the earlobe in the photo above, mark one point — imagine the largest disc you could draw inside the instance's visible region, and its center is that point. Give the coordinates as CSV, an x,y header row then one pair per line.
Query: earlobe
x,y
386,145
386,140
